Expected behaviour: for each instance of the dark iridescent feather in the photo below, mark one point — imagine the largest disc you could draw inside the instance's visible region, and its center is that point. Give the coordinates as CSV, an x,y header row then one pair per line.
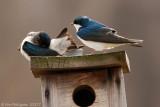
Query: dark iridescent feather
x,y
33,50
105,35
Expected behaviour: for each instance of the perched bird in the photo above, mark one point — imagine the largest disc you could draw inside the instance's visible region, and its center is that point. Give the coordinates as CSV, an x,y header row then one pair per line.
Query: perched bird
x,y
40,44
99,36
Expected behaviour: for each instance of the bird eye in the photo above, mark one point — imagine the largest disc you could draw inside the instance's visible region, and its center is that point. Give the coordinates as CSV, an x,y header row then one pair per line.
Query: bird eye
x,y
75,22
113,31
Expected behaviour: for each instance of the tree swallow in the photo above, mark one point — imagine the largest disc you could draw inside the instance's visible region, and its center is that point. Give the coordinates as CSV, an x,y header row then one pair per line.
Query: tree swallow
x,y
99,36
40,44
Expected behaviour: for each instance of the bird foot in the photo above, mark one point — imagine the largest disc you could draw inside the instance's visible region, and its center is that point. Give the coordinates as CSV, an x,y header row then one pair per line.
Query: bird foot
x,y
92,53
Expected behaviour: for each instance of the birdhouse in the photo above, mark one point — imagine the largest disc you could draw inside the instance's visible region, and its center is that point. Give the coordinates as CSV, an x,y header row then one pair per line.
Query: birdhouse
x,y
82,81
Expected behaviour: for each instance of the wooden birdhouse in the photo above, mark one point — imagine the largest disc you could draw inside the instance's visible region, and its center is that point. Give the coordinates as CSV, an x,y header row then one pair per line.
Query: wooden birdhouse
x,y
82,81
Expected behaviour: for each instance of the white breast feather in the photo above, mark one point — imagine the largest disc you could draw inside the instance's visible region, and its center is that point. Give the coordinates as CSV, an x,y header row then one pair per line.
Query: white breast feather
x,y
60,44
77,27
28,39
98,46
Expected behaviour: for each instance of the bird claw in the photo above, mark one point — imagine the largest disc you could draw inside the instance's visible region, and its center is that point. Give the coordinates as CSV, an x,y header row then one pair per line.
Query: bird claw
x,y
92,53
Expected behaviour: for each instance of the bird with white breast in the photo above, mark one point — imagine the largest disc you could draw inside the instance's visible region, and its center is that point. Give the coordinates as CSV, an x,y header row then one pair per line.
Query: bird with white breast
x,y
100,37
40,44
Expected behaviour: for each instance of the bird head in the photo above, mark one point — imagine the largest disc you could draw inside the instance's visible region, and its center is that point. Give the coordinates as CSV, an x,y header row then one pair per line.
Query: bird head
x,y
41,39
44,39
81,21
84,21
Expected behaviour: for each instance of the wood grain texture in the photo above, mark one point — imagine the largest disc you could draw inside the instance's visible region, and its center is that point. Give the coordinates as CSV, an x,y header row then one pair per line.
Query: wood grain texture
x,y
50,65
117,88
108,85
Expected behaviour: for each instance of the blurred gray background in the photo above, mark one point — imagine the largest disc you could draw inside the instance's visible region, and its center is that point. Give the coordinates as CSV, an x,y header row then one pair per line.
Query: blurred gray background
x,y
131,18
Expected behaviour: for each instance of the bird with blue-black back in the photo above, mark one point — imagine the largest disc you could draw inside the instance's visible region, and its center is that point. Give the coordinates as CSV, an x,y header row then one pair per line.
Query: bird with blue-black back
x,y
99,36
40,44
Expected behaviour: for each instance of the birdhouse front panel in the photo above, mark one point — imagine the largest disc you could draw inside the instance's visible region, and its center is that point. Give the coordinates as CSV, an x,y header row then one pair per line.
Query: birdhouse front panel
x,y
94,88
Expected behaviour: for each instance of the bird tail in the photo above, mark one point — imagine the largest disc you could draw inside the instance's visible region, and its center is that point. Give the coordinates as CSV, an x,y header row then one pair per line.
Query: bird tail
x,y
64,43
136,43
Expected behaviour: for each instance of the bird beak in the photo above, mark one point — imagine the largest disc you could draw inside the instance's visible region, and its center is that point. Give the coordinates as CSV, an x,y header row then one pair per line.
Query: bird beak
x,y
72,23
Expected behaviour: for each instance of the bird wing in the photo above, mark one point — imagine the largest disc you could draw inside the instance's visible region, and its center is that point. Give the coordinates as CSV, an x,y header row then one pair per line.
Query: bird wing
x,y
60,44
64,43
33,50
105,34
63,33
